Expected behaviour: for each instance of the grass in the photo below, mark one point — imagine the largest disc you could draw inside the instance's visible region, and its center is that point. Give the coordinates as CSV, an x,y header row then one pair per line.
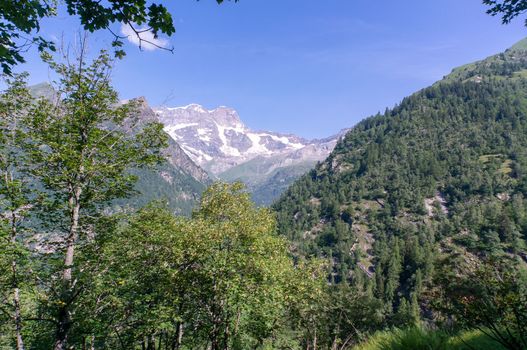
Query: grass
x,y
506,167
474,340
488,157
419,338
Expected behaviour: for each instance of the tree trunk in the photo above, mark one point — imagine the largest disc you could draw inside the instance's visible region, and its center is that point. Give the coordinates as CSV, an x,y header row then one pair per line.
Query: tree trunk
x,y
151,342
72,235
64,318
18,319
226,338
179,336
160,341
61,336
16,289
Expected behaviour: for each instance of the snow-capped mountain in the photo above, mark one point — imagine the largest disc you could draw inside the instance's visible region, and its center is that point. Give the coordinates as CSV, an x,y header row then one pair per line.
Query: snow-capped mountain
x,y
218,140
221,143
178,182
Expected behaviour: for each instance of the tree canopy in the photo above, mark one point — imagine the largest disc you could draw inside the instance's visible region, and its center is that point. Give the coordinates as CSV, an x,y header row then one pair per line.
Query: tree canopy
x,y
20,23
507,9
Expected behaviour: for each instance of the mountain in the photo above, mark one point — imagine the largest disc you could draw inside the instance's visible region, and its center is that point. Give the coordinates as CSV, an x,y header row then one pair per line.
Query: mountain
x,y
179,182
438,182
268,176
219,142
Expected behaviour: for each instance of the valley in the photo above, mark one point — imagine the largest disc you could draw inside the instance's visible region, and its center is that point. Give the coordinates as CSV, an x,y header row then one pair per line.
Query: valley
x,y
129,223
219,142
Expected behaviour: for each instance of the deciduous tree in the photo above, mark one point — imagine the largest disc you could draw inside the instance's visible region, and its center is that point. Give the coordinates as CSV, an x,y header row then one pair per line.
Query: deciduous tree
x,y
81,149
20,22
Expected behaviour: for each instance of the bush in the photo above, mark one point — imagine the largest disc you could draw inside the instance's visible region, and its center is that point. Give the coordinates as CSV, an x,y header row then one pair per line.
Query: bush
x,y
419,338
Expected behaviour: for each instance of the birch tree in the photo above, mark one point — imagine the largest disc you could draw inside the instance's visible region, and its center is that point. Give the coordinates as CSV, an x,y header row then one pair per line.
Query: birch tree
x,y
82,147
14,202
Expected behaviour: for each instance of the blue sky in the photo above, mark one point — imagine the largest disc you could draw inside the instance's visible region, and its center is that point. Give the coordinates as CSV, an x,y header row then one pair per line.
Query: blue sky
x,y
309,67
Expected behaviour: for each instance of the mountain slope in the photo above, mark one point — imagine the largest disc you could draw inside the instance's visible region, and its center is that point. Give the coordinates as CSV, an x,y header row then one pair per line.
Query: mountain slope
x,y
268,176
219,142
179,182
217,139
441,176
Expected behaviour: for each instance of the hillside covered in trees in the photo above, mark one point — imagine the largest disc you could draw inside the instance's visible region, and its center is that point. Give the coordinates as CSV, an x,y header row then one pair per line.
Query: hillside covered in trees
x,y
410,235
422,193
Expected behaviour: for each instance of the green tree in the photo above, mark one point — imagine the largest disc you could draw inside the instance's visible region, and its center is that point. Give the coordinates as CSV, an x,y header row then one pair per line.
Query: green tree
x,y
14,202
222,279
20,23
245,275
492,298
81,150
507,9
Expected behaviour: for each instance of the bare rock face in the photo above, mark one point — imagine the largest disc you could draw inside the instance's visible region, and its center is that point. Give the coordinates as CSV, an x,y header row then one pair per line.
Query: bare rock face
x,y
174,153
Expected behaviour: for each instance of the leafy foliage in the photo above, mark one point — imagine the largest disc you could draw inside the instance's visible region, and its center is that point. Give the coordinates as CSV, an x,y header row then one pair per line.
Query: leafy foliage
x,y
15,202
222,278
79,151
20,23
492,298
508,9
18,20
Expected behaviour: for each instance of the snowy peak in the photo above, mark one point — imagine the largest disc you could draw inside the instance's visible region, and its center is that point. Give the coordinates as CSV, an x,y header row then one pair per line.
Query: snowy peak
x,y
222,115
227,117
218,140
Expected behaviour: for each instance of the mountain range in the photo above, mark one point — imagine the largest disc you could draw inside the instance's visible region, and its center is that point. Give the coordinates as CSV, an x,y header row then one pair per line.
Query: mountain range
x,y
207,145
219,142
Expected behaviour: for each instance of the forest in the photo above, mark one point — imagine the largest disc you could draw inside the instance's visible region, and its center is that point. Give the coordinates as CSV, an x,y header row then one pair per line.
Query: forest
x,y
421,206
77,274
412,234
415,226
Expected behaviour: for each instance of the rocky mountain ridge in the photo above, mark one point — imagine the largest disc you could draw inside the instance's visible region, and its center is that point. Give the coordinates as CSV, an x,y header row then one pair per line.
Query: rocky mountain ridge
x,y
218,140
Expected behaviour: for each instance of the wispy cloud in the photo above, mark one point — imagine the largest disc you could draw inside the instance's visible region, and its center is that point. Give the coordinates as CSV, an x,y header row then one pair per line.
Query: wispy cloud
x,y
145,40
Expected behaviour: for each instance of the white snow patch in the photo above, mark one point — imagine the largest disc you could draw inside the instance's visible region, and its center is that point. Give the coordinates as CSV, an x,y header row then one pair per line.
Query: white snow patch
x,y
257,147
193,106
196,155
171,130
202,132
225,147
175,127
285,140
